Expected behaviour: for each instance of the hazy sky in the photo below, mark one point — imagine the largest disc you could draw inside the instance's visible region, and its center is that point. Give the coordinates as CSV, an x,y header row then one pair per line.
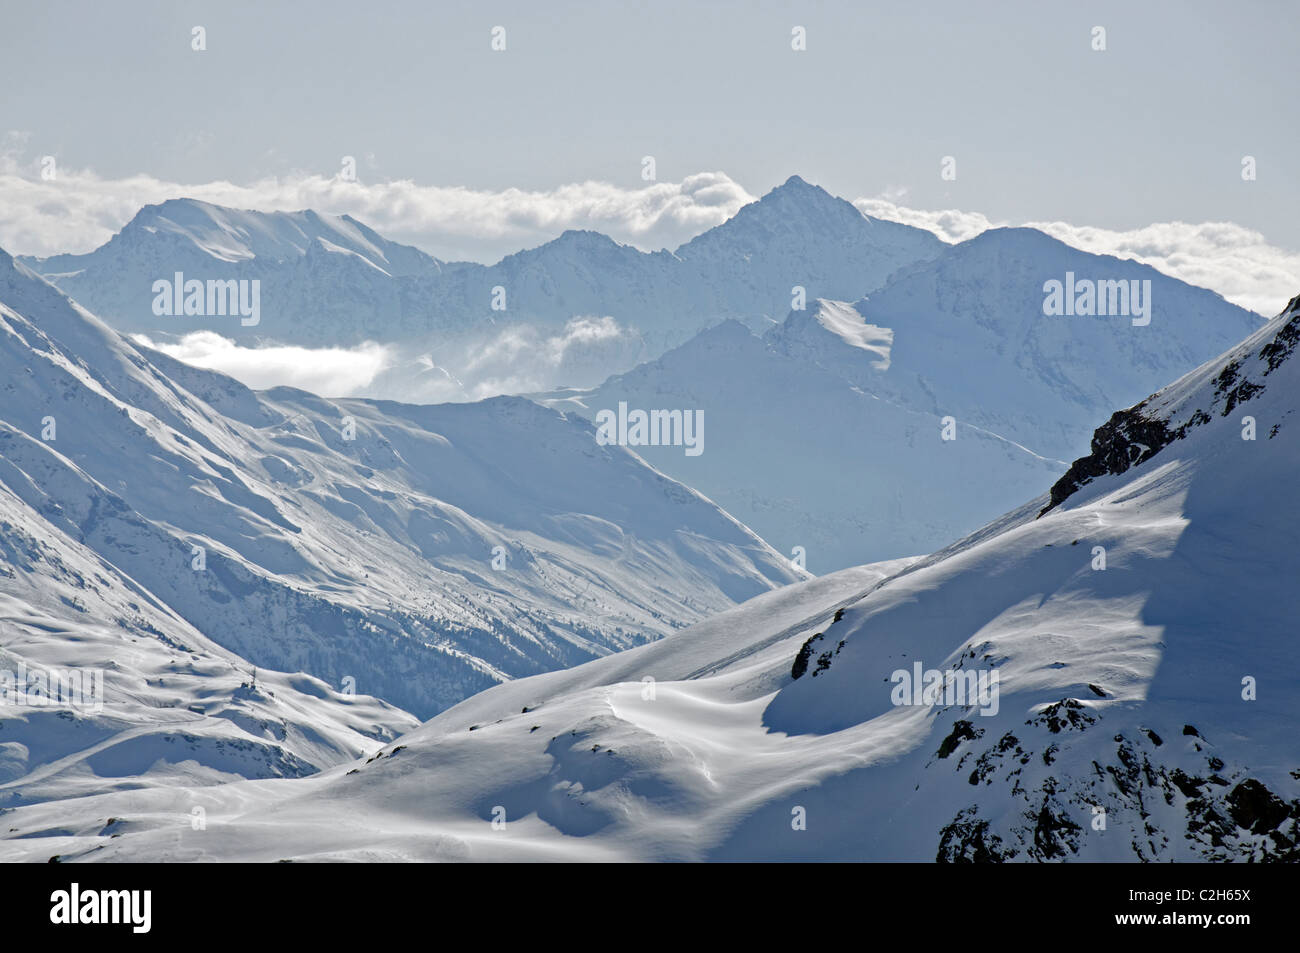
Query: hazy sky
x,y
1042,126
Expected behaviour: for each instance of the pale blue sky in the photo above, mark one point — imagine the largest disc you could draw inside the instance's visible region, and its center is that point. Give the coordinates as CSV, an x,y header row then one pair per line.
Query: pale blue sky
x,y
1043,127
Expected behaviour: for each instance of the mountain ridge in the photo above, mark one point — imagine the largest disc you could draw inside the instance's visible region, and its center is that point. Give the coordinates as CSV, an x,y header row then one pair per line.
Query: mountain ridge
x,y
357,538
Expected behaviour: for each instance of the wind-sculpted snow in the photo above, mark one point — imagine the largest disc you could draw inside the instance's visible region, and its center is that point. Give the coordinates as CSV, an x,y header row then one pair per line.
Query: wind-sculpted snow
x,y
1111,680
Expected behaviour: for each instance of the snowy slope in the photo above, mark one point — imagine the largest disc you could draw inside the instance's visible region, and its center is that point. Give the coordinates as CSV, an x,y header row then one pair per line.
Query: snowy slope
x,y
441,550
167,707
1144,711
806,458
317,271
331,282
970,338
256,821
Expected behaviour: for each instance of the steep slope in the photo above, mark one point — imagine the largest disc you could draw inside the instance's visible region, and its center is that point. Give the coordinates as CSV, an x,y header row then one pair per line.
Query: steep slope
x,y
970,337
1216,389
424,552
102,687
1143,706
808,459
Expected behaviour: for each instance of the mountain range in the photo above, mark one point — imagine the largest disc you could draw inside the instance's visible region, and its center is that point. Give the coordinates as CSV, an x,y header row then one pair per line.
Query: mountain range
x,y
827,431
800,328
329,281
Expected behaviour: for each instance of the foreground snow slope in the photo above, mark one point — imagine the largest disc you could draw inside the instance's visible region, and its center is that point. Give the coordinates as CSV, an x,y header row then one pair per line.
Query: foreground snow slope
x,y
438,551
1145,710
256,821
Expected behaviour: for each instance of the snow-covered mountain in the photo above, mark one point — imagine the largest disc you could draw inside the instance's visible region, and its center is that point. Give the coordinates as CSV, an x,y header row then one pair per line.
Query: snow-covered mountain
x,y
828,432
103,687
326,281
808,458
1128,639
971,339
424,553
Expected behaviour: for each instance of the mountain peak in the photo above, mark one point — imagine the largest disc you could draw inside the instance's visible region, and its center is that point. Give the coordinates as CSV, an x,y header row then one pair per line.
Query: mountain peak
x,y
585,236
795,208
571,241
798,189
796,182
178,210
221,234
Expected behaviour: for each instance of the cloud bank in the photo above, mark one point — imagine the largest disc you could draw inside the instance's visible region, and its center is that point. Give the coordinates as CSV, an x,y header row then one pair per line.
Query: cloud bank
x,y
78,210
519,359
330,372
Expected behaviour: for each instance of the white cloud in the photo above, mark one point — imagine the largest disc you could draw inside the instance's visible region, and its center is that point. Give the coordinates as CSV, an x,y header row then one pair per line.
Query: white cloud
x,y
79,210
522,359
949,224
515,360
331,372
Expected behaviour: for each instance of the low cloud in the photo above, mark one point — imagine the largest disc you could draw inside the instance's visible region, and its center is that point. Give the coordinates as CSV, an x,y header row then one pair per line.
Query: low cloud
x,y
523,359
330,372
78,210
